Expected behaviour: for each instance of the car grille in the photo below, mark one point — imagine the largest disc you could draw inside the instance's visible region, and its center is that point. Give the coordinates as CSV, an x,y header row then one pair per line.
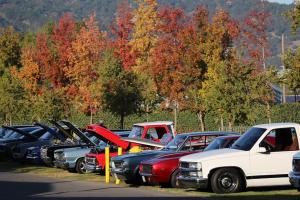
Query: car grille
x,y
184,165
296,165
90,161
147,169
44,153
118,164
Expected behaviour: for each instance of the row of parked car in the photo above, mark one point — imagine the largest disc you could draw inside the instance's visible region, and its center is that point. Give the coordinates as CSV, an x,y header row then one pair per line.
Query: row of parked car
x,y
223,161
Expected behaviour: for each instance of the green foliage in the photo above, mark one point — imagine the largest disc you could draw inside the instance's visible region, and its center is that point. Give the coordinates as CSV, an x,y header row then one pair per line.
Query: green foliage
x,y
12,106
292,75
10,49
121,92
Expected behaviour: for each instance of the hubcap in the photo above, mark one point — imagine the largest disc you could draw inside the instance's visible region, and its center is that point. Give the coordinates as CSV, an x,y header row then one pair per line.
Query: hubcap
x,y
226,182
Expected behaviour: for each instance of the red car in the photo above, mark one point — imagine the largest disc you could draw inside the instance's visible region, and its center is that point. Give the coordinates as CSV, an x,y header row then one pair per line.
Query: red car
x,y
153,134
164,169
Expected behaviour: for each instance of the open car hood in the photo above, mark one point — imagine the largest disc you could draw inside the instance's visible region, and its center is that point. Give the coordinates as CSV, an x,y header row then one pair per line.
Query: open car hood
x,y
51,131
57,125
145,142
21,132
107,135
78,132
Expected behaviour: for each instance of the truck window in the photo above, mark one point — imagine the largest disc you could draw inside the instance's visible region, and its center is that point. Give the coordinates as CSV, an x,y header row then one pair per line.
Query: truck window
x,y
136,132
160,131
151,134
282,139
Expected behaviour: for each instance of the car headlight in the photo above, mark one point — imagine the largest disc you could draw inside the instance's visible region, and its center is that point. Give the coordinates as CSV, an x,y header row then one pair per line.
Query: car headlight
x,y
193,165
197,166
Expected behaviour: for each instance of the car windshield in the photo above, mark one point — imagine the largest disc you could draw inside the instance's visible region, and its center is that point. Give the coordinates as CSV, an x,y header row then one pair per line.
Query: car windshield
x,y
136,132
5,133
248,139
96,140
217,143
176,143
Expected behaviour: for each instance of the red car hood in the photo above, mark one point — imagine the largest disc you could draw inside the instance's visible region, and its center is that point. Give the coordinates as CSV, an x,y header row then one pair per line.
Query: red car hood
x,y
108,135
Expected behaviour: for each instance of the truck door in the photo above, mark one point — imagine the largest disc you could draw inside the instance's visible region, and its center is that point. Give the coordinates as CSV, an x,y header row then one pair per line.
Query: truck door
x,y
275,164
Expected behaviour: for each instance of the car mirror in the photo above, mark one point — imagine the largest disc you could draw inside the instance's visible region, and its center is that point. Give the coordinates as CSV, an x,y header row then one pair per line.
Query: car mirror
x,y
262,150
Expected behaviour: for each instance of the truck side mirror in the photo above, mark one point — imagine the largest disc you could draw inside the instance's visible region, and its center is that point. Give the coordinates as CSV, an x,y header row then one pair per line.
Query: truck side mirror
x,y
262,150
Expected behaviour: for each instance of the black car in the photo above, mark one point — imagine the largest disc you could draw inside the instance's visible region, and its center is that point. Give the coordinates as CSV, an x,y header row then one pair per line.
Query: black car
x,y
126,167
51,135
17,135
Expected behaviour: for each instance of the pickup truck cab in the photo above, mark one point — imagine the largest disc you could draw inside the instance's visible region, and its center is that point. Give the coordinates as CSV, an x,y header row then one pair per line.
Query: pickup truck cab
x,y
294,175
260,157
153,134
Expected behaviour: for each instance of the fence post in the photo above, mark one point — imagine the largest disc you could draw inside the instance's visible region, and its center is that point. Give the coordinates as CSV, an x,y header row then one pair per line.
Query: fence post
x,y
107,175
119,153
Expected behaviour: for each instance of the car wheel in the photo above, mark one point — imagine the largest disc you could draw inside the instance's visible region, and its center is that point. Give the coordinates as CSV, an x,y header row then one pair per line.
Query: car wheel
x,y
80,166
174,182
226,180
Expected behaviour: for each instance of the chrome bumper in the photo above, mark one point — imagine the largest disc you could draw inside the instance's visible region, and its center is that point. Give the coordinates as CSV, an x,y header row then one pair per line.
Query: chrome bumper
x,y
295,179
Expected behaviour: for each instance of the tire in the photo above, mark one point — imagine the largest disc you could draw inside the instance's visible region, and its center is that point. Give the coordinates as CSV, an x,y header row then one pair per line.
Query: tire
x,y
173,181
80,166
226,180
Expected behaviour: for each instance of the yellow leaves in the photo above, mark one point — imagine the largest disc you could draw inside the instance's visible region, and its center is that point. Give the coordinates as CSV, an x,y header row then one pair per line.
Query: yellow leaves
x,y
144,36
30,73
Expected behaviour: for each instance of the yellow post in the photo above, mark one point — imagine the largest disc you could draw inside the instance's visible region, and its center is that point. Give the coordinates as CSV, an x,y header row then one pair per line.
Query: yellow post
x,y
119,153
107,175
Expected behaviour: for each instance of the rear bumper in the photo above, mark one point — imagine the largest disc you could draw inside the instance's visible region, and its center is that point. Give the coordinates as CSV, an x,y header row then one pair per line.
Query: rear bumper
x,y
193,182
294,179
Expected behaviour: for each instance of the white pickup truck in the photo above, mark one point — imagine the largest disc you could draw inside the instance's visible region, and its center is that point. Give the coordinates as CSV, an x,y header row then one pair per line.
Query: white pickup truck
x,y
260,157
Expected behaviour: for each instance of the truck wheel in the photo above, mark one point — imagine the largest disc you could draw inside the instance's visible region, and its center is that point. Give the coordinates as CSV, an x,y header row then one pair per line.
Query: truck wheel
x,y
80,166
174,182
226,180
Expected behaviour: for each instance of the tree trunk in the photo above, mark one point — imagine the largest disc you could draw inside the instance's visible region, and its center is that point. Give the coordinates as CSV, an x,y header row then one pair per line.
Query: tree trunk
x,y
295,96
147,112
175,119
230,124
222,123
201,116
10,120
269,112
91,116
122,121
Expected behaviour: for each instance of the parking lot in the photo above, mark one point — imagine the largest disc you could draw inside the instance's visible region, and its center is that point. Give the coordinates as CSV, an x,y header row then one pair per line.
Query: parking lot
x,y
31,182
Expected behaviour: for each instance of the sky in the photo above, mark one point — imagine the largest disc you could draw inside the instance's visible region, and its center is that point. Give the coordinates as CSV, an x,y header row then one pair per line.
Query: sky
x,y
282,1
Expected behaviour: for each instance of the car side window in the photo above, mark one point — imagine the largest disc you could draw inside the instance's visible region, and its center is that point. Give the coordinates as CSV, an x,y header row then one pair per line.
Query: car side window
x,y
282,139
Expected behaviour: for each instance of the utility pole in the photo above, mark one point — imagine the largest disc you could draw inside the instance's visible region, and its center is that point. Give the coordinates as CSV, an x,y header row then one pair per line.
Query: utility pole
x,y
283,67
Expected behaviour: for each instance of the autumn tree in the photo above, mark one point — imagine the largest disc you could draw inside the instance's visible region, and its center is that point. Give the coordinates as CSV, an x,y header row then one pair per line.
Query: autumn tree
x,y
10,48
255,38
292,74
143,41
121,92
83,60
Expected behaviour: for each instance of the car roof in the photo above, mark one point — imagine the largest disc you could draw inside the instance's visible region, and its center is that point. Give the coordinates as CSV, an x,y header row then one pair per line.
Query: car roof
x,y
221,133
276,125
154,123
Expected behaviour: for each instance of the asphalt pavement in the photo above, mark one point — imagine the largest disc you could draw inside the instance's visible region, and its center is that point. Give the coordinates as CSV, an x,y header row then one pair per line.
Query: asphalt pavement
x,y
27,186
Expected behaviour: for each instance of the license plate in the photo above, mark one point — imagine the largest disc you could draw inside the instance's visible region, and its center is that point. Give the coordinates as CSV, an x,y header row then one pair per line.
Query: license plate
x,y
144,179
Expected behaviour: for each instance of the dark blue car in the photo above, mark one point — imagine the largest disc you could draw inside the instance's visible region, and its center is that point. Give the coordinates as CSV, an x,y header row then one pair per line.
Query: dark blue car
x,y
13,135
49,136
